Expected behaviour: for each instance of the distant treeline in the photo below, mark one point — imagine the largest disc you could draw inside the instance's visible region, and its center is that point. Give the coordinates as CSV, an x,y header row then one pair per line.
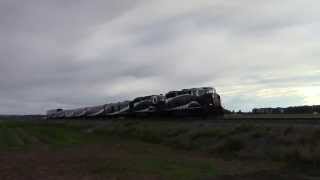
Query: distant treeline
x,y
289,110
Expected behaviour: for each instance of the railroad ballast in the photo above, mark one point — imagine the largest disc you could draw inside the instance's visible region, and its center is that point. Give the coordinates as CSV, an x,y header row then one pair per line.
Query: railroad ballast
x,y
202,101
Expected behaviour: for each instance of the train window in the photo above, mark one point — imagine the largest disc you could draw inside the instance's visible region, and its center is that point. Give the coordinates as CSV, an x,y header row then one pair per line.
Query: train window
x,y
181,93
201,92
170,95
185,91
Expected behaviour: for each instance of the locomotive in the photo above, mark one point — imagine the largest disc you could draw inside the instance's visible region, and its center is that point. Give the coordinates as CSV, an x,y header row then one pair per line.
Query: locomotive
x,y
202,101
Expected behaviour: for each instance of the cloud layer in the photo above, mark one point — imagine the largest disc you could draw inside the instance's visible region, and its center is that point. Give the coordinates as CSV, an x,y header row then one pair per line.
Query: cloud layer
x,y
62,54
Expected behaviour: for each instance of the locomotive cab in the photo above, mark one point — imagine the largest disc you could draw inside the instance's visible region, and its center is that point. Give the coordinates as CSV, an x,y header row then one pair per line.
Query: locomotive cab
x,y
207,95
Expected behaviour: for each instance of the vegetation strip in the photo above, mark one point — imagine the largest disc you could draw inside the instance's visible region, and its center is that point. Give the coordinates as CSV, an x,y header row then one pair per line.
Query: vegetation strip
x,y
297,147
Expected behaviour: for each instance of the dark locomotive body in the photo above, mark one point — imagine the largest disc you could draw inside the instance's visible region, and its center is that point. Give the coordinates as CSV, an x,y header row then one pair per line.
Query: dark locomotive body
x,y
187,102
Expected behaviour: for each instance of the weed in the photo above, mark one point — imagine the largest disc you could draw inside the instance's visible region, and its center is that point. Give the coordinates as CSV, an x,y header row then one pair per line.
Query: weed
x,y
230,145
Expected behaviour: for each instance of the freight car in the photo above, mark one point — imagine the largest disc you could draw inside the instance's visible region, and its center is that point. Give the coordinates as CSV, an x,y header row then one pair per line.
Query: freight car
x,y
186,102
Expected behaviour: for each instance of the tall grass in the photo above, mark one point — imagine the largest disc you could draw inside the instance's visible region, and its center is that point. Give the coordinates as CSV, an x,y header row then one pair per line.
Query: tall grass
x,y
293,145
296,146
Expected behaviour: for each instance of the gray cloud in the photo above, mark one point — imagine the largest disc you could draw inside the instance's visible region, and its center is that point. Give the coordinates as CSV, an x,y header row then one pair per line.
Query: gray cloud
x,y
67,54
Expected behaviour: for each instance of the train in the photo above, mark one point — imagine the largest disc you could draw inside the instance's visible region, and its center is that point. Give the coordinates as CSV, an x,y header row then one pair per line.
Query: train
x,y
203,101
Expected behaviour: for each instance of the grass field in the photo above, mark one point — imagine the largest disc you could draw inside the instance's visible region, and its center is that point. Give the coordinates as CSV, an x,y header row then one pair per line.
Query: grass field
x,y
291,144
95,154
133,149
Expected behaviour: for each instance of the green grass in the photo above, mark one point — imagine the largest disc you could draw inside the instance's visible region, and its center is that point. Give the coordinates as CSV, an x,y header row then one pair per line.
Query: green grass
x,y
139,158
128,157
21,135
292,145
296,146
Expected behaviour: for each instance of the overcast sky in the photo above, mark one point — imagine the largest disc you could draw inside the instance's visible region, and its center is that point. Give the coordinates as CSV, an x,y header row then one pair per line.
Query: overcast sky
x,y
256,53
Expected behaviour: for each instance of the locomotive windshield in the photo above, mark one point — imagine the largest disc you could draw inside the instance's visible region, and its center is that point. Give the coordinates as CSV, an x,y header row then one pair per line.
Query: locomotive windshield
x,y
209,91
203,91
